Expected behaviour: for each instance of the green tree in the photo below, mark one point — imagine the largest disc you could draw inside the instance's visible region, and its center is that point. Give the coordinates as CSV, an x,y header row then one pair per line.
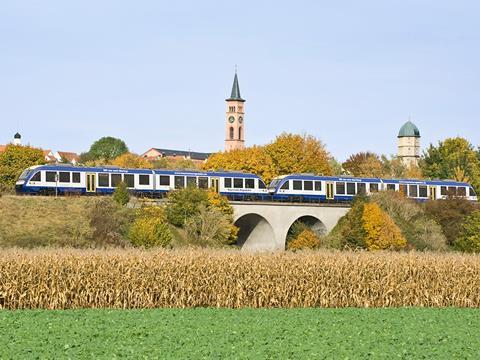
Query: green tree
x,y
209,227
14,160
453,158
150,228
184,203
121,195
469,238
106,148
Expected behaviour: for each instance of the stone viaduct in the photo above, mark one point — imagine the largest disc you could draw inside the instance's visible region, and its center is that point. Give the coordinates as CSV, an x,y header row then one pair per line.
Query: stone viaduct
x,y
264,226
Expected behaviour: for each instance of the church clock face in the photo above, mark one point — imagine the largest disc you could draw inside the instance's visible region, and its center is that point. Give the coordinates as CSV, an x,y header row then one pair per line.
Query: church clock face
x,y
231,119
240,119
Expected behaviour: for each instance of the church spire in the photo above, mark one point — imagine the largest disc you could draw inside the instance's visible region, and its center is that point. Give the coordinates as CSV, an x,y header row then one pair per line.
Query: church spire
x,y
235,90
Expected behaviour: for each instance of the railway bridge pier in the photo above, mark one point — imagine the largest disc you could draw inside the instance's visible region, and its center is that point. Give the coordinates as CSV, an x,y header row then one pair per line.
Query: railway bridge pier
x,y
264,226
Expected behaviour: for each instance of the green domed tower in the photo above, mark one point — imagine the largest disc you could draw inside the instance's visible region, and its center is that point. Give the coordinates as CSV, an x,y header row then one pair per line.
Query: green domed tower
x,y
409,144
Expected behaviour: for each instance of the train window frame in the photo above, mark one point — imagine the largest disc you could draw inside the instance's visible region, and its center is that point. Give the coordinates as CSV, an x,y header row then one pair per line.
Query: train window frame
x,y
318,186
471,192
374,187
227,183
76,177
413,191
308,185
249,183
238,183
443,190
179,182
64,177
164,180
114,179
261,184
351,188
126,179
452,191
423,191
48,176
191,181
362,188
141,180
340,187
285,185
203,182
391,187
36,178
297,185
462,191
101,177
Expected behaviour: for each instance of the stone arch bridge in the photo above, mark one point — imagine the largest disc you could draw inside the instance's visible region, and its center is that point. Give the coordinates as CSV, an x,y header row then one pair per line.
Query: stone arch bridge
x,y
264,226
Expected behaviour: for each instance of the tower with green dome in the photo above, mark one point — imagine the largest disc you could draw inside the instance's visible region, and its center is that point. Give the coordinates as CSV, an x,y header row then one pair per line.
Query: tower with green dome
x,y
409,144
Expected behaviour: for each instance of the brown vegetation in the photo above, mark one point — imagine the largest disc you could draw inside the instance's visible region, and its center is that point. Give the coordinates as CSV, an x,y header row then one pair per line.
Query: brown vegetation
x,y
208,278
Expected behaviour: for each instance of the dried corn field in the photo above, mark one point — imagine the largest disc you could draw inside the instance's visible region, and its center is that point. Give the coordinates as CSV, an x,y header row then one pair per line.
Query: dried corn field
x,y
61,279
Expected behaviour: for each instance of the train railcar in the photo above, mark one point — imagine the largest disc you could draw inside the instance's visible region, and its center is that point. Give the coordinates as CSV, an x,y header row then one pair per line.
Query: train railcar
x,y
62,179
308,188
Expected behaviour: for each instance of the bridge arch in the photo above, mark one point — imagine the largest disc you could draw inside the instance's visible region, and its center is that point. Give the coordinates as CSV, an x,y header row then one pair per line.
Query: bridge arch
x,y
255,232
310,221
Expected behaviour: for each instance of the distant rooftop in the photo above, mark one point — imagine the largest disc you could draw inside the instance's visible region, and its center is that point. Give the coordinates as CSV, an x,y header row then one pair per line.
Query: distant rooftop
x,y
191,154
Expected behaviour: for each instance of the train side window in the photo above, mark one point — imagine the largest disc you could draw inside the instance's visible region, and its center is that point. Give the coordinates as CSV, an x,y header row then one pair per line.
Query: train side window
x,y
318,186
37,177
297,185
308,185
104,180
452,191
249,183
129,180
350,188
286,185
179,182
340,188
422,191
471,192
76,177
391,187
144,179
116,179
50,176
64,177
403,189
413,190
443,190
462,191
191,181
261,184
373,187
361,188
164,180
203,182
238,183
228,182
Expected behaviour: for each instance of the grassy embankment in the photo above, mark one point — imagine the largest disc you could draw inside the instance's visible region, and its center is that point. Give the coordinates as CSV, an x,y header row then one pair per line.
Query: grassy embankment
x,y
241,334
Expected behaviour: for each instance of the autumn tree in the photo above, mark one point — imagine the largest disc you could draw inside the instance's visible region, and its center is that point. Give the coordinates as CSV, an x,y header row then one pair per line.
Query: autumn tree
x,y
14,160
364,164
106,149
132,161
453,158
393,168
469,237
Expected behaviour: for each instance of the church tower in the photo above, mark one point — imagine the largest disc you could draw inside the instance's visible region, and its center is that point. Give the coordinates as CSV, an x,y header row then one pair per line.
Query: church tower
x,y
409,144
235,126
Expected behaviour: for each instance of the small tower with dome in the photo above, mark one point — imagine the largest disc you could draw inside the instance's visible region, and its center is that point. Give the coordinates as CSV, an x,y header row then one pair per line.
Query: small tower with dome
x,y
409,144
17,139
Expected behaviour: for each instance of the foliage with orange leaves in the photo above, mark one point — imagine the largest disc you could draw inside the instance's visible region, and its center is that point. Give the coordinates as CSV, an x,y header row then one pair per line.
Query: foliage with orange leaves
x,y
132,161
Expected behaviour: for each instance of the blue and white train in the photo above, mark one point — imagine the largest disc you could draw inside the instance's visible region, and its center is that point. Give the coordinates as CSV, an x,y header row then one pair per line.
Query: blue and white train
x,y
312,188
64,179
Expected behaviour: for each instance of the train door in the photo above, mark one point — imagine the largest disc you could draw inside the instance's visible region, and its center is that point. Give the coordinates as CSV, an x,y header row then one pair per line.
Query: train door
x,y
433,192
91,183
214,184
330,195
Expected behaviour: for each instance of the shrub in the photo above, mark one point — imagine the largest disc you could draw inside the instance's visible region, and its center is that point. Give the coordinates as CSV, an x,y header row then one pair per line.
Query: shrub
x,y
184,203
14,160
150,228
349,231
469,238
380,230
450,214
421,232
307,239
210,227
121,195
110,222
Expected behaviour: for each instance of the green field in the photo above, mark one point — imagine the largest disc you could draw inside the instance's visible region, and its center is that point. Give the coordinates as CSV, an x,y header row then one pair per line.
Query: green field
x,y
248,333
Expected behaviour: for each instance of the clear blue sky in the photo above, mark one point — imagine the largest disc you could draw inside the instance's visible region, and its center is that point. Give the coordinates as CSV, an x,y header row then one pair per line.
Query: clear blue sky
x,y
156,73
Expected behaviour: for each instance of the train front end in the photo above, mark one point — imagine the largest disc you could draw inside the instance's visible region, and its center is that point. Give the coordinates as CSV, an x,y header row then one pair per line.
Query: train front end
x,y
21,183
